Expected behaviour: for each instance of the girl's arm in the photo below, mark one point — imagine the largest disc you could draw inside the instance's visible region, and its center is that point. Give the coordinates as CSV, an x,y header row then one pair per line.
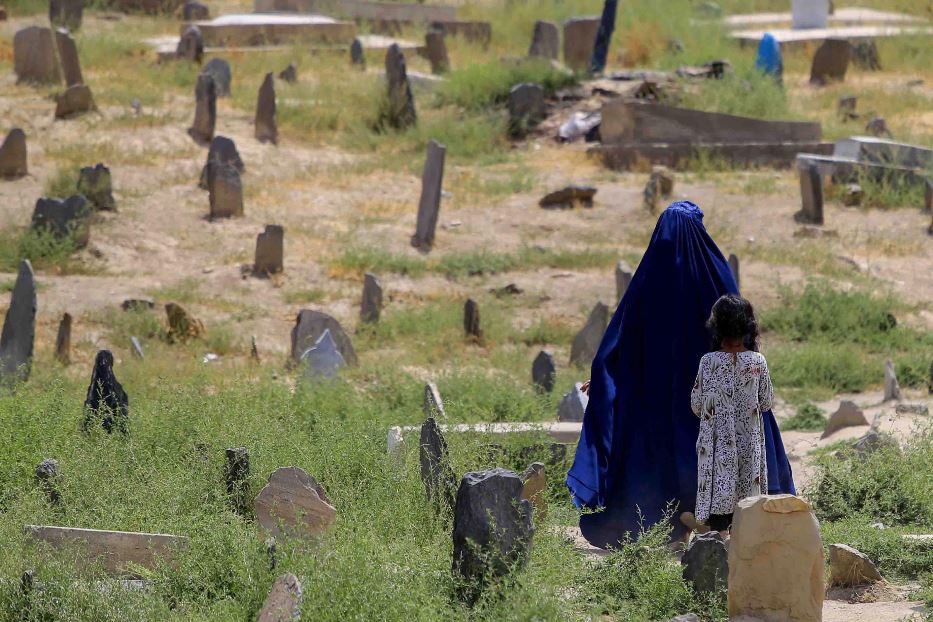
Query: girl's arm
x,y
696,395
765,388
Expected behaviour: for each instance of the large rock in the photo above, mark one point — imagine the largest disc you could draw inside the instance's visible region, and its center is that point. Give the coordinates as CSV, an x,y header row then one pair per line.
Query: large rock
x,y
222,150
270,251
19,328
226,191
13,155
219,70
66,13
587,341
544,372
266,128
68,56
106,400
429,205
775,560
706,565
310,325
436,472
830,62
526,108
400,104
849,567
294,504
205,110
76,100
848,415
283,603
573,405
323,359
579,40
94,182
545,41
64,219
34,56
371,304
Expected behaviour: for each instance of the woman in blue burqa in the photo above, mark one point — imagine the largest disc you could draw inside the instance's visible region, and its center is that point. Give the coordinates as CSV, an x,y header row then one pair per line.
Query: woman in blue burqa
x,y
636,460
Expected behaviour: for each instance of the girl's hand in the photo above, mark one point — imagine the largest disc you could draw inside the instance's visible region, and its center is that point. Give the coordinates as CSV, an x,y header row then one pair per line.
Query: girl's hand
x,y
585,388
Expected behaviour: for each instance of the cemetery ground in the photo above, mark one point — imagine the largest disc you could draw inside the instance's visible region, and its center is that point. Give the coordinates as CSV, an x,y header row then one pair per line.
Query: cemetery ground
x,y
347,196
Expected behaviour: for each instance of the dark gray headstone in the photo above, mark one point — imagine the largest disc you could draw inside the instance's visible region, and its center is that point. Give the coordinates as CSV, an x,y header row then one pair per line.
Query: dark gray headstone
x,y
236,479
266,129
433,404
94,182
706,564
811,194
310,325
544,371
734,266
430,204
106,399
323,359
76,100
191,45
13,155
66,14
572,406
471,320
34,56
270,251
19,328
526,107
194,12
877,126
569,197
492,531
436,50
219,69
436,473
371,305
579,40
226,191
545,42
68,56
587,341
63,340
47,476
205,110
64,219
624,275
830,62
865,55
289,74
357,57
400,103
137,348
222,150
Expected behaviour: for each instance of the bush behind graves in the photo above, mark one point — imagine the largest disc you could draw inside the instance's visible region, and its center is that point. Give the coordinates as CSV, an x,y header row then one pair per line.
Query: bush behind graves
x,y
480,86
809,418
39,246
896,558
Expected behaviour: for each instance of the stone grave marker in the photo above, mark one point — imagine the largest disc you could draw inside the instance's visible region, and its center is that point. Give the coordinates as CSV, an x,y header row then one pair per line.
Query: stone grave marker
x,y
526,107
665,180
94,182
865,55
323,359
544,372
226,191
47,476
266,129
63,340
310,325
811,193
191,45
492,531
927,194
222,150
535,490
195,12
357,57
66,14
289,74
852,195
586,342
651,194
705,564
877,126
236,479
736,269
283,603
849,567
579,39
845,108
892,389
573,405
182,326
433,404
429,205
270,251
205,110
436,51
19,328
76,100
253,349
847,415
68,56
137,304
436,473
400,106
471,321
106,400
220,71
624,274
137,348
371,305
545,41
34,56
64,219
474,31
294,504
13,155
830,62
569,197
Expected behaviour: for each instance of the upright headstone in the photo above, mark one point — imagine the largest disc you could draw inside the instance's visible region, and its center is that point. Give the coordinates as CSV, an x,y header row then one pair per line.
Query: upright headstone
x,y
433,404
623,279
195,12
323,359
19,328
76,100
830,62
270,251
651,194
13,155
266,128
34,56
224,151
68,56
137,348
665,180
429,205
545,41
877,126
847,415
811,193
94,182
471,320
226,191
310,325
106,398
66,219
544,372
892,389
289,74
371,305
283,603
293,503
63,340
736,269
357,57
526,107
400,105
492,532
579,40
47,476
253,349
705,564
236,479
573,405
436,50
865,55
534,490
66,14
191,45
436,473
220,71
205,110
586,342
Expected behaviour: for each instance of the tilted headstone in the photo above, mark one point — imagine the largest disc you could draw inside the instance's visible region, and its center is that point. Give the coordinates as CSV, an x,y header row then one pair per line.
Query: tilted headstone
x,y
310,325
579,40
436,51
848,415
830,62
569,197
137,348
94,182
47,475
64,219
68,56
471,320
877,126
76,100
289,74
433,404
429,205
544,371
266,129
222,150
705,564
19,328
865,55
849,567
400,105
226,191
106,400
137,304
66,14
624,275
220,71
205,110
526,107
13,155
587,341
191,45
195,12
371,305
573,405
63,340
892,389
34,56
283,603
545,41
811,193
293,503
323,359
534,489
436,472
492,532
651,194
236,479
270,251
182,326
357,57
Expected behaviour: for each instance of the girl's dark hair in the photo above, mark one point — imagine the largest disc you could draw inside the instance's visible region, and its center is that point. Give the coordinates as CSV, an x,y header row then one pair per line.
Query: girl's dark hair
x,y
733,318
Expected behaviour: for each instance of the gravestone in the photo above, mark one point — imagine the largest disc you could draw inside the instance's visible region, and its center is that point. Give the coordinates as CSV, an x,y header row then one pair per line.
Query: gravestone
x,y
526,108
68,56
195,12
226,191
220,71
64,219
236,479
579,39
847,415
586,342
492,531
371,305
266,129
76,100
283,603
811,193
545,41
137,304
323,359
310,325
429,205
289,74
19,328
222,150
623,279
852,195
293,503
573,405
705,564
433,404
205,110
845,107
665,180
865,55
736,270
270,251
927,195
47,475
830,62
106,400
400,105
436,473
892,390
13,155
534,489
357,57
66,14
569,197
436,51
849,567
253,349
137,348
34,56
651,194
191,45
95,184
63,340
471,322
877,126
182,326
544,372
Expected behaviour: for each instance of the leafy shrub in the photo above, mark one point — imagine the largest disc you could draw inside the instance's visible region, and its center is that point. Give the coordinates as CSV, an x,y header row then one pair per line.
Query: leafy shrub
x,y
480,86
809,418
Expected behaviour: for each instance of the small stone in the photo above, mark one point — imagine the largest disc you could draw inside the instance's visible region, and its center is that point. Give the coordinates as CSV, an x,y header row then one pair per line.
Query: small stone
x,y
13,155
624,274
545,41
310,325
47,474
270,251
544,372
687,617
569,197
436,473
892,389
66,14
535,490
294,504
137,348
811,193
63,340
848,415
429,205
219,70
830,62
253,349
205,110
849,567
433,405
651,194
182,326
236,478
195,12
265,122
106,398
68,219
371,305
226,191
579,40
586,342
76,100
400,109
271,553
526,108
137,304
912,408
705,564
289,74
95,184
436,50
471,320
853,195
323,359
19,328
877,126
573,405
191,45
283,603
846,107
357,57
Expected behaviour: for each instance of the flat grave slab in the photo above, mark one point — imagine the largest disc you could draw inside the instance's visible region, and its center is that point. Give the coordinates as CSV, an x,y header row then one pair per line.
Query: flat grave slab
x,y
251,29
361,9
165,47
779,154
804,35
559,431
848,16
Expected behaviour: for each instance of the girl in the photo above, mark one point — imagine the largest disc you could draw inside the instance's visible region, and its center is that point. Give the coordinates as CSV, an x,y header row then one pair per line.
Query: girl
x,y
732,389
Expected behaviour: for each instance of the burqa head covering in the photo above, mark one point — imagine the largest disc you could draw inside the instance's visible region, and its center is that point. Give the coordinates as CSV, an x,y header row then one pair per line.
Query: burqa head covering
x,y
769,59
637,449
106,391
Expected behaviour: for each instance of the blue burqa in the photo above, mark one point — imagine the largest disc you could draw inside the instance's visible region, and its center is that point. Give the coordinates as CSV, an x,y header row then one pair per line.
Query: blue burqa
x,y
637,450
769,59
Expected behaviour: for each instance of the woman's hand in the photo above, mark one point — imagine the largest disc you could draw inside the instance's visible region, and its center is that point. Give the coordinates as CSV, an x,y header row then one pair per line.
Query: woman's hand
x,y
585,387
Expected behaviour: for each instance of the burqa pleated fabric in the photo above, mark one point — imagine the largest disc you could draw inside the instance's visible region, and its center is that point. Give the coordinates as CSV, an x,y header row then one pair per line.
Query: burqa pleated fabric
x,y
769,59
637,450
105,396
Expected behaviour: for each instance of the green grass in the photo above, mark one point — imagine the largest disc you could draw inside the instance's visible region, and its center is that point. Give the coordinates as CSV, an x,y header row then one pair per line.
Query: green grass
x,y
809,418
40,247
481,86
62,184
